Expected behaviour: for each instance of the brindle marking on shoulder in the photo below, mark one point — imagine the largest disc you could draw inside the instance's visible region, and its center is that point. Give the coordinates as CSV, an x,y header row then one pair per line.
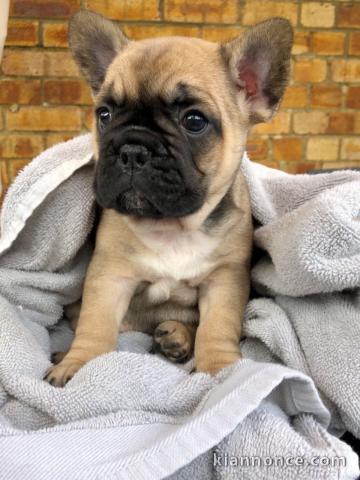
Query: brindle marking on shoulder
x,y
220,212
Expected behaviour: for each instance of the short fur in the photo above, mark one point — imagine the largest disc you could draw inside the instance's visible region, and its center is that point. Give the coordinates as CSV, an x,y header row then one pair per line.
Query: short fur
x,y
172,250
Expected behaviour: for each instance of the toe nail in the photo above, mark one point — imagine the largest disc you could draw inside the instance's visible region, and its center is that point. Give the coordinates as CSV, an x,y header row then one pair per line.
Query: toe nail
x,y
171,345
161,333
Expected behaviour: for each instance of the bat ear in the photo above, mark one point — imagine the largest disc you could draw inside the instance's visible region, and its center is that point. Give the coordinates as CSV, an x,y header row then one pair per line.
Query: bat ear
x,y
94,42
259,64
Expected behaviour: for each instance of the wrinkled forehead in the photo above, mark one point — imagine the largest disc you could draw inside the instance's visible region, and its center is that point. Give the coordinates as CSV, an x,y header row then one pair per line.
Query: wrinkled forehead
x,y
161,68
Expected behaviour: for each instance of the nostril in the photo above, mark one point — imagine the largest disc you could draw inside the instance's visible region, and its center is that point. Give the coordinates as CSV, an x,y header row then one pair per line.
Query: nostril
x,y
131,156
140,160
124,159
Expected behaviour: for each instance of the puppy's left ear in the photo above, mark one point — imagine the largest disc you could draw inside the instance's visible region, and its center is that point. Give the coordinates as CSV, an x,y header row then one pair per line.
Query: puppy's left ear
x,y
259,63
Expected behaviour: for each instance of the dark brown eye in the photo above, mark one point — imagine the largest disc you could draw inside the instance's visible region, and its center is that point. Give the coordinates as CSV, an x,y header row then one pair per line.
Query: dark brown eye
x,y
194,121
104,117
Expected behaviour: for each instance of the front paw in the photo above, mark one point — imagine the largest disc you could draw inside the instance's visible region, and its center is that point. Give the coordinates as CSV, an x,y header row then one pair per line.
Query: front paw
x,y
59,375
215,362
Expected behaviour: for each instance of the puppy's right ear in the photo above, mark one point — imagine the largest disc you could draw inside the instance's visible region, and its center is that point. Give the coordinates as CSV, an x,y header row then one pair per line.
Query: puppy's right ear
x,y
259,64
94,42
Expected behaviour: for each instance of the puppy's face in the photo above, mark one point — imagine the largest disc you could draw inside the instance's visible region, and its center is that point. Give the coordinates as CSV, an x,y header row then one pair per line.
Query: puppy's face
x,y
172,114
160,127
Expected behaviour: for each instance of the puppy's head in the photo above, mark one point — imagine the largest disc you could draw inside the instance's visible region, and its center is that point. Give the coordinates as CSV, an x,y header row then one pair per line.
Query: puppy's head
x,y
172,114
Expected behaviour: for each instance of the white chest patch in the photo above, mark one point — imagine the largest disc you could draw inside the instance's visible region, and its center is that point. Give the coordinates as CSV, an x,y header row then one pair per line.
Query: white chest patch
x,y
179,256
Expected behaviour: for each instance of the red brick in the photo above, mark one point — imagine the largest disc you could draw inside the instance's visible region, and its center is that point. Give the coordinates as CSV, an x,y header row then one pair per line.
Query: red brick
x,y
32,62
23,62
310,122
4,179
302,42
325,96
202,11
279,124
349,15
20,145
138,32
356,122
44,118
341,165
54,138
221,34
295,97
269,163
350,149
257,148
20,91
59,64
55,35
300,168
288,148
353,97
315,14
257,10
125,10
67,92
309,70
88,118
322,148
341,122
22,32
44,8
346,70
4,173
354,43
328,43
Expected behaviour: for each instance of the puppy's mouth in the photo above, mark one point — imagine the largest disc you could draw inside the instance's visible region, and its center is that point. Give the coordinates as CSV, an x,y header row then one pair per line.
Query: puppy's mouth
x,y
137,175
133,202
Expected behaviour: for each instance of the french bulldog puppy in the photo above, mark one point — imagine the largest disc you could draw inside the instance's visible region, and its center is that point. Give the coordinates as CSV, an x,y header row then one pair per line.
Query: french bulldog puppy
x,y
174,241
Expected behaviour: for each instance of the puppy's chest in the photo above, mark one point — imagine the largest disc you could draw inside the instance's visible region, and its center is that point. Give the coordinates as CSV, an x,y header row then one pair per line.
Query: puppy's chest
x,y
180,257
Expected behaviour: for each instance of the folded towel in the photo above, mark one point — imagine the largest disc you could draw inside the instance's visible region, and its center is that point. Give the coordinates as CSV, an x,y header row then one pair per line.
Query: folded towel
x,y
130,414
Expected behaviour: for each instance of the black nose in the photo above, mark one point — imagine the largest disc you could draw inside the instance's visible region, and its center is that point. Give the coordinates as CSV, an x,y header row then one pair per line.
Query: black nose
x,y
133,156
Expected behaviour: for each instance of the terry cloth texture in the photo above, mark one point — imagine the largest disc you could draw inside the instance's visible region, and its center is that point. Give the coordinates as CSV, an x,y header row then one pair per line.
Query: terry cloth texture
x,y
276,414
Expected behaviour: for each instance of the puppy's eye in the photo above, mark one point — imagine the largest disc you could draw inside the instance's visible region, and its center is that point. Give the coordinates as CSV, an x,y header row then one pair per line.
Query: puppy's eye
x,y
104,117
194,121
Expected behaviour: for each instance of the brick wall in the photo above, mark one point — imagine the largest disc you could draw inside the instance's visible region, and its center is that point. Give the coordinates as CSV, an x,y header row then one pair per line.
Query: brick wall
x,y
43,100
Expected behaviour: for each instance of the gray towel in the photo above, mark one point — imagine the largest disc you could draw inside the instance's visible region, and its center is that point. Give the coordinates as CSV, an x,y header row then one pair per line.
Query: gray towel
x,y
133,415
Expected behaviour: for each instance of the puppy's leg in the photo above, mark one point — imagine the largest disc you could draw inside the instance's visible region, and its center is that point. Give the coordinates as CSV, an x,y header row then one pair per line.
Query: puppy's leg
x,y
57,357
222,300
175,340
105,301
72,313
